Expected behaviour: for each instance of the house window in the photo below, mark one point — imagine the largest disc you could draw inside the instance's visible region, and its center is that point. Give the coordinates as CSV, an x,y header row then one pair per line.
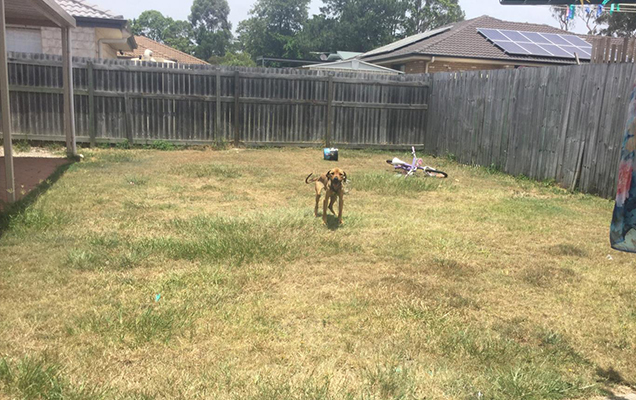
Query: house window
x,y
24,40
399,67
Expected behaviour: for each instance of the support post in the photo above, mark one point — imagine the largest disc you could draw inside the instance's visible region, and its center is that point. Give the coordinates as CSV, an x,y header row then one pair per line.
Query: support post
x,y
91,104
237,89
6,111
329,111
69,105
217,118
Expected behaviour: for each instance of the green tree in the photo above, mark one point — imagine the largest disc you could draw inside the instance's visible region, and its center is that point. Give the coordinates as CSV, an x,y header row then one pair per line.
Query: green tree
x,y
425,15
211,27
154,25
179,34
151,24
235,59
273,28
362,25
618,24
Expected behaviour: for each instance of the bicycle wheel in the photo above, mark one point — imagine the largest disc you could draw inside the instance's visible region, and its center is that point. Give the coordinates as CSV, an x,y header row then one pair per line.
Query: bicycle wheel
x,y
434,172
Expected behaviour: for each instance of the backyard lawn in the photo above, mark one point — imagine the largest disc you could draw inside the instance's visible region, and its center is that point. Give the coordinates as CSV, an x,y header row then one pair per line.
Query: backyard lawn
x,y
204,274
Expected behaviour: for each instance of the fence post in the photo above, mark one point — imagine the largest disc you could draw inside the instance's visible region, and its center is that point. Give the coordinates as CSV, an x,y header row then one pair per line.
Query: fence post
x,y
329,111
236,108
217,119
128,122
91,105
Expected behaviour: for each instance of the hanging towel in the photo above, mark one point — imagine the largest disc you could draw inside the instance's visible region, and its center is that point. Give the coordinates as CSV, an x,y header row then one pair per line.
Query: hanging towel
x,y
623,229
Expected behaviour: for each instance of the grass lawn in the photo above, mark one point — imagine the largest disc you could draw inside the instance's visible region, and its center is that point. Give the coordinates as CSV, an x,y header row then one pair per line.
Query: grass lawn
x,y
204,274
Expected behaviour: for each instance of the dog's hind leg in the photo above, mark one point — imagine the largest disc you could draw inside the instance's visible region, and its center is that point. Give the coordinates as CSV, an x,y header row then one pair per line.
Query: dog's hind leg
x,y
318,188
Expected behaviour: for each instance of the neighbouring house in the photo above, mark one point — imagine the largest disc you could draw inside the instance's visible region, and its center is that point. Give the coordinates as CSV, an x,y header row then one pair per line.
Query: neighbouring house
x,y
352,65
99,33
477,44
150,50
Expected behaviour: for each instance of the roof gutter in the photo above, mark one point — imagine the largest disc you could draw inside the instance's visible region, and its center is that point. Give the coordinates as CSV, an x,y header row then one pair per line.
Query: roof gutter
x,y
101,22
425,57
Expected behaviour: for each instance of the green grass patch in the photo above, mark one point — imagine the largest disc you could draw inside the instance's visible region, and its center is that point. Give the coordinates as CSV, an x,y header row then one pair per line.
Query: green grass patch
x,y
221,171
40,378
394,184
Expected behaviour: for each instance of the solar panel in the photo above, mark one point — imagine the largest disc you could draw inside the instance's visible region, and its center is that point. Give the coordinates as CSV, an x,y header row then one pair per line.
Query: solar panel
x,y
538,44
511,47
407,41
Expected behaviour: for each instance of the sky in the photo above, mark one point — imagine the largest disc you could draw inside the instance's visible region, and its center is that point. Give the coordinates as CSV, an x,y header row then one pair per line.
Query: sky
x,y
239,10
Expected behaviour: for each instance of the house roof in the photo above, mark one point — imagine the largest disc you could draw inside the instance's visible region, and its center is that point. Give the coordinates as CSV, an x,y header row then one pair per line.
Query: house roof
x,y
353,64
462,40
161,51
81,9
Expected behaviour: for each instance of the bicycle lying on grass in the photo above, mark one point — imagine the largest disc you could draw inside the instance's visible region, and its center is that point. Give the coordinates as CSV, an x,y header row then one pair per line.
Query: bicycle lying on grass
x,y
409,169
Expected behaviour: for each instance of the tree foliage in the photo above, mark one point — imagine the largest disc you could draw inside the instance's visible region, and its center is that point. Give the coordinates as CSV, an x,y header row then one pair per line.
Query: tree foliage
x,y
425,15
618,24
274,27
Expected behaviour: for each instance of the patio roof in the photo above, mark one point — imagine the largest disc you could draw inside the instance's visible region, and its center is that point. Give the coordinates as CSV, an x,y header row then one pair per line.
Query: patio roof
x,y
37,13
34,13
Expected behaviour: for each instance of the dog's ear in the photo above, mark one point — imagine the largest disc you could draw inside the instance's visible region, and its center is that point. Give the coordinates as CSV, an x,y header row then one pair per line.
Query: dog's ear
x,y
344,176
329,174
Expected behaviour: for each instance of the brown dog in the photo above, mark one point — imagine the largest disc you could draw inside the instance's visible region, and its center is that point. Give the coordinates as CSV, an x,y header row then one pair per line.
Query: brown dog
x,y
332,183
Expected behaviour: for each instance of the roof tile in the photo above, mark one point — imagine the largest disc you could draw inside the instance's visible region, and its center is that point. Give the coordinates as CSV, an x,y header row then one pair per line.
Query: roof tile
x,y
463,40
79,8
161,50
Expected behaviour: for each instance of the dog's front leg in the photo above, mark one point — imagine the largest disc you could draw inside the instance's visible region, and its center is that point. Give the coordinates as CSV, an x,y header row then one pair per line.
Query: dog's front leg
x,y
340,205
324,207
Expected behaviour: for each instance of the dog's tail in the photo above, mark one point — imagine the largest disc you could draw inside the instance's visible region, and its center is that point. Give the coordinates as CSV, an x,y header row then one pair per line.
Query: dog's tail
x,y
307,180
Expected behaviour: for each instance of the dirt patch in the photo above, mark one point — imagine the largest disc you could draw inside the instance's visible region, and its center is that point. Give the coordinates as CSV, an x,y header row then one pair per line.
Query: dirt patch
x,y
29,173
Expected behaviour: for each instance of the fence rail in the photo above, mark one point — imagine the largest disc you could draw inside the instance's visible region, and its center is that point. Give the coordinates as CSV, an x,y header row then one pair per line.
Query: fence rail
x,y
117,101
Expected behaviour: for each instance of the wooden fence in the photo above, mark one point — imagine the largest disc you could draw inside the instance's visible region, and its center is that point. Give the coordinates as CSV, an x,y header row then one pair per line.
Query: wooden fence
x,y
116,100
560,123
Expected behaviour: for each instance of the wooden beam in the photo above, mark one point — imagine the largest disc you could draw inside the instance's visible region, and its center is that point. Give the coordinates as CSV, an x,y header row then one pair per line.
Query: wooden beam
x,y
54,12
69,104
6,112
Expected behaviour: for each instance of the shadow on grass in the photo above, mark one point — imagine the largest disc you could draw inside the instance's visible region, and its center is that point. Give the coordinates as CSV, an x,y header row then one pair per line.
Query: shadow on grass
x,y
8,211
614,377
332,222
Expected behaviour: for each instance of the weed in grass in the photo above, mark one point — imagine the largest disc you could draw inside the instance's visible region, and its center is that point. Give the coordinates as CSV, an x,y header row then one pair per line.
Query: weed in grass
x,y
393,382
545,276
136,325
162,145
39,378
221,171
22,146
81,259
113,156
136,180
124,144
564,249
394,184
34,220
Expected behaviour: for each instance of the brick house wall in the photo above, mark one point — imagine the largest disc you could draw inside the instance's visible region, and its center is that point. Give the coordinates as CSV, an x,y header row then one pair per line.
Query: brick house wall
x,y
83,42
419,67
